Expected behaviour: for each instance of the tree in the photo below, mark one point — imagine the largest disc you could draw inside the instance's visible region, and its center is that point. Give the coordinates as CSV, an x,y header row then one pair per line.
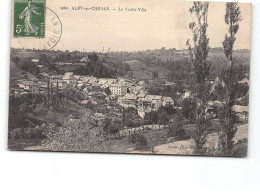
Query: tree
x,y
111,127
123,120
29,66
115,127
107,91
139,140
169,109
199,54
151,117
44,59
106,126
155,75
188,109
163,117
132,119
93,57
231,77
130,75
15,59
176,126
82,135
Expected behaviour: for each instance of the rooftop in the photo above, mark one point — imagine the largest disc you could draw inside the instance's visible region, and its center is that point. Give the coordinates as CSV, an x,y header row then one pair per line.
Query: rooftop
x,y
168,99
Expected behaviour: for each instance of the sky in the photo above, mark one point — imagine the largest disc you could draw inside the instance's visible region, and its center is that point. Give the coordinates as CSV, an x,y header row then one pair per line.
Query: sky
x,y
164,24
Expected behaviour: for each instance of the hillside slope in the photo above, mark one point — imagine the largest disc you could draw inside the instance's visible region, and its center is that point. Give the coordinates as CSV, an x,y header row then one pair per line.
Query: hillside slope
x,y
16,72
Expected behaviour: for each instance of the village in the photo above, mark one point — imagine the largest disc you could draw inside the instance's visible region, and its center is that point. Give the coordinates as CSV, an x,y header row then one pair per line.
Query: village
x,y
127,93
136,103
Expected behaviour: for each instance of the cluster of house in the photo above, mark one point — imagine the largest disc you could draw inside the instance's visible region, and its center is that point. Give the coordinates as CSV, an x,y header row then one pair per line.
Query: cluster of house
x,y
144,103
27,86
129,93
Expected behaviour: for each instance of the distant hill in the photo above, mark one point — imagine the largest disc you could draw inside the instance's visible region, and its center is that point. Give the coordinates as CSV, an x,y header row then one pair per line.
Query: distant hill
x,y
216,55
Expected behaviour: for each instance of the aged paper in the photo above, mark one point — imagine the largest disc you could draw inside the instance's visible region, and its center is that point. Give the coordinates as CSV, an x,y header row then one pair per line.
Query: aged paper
x,y
130,76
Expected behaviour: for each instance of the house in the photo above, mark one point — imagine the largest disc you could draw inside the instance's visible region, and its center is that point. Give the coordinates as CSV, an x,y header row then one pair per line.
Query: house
x,y
69,78
141,95
35,60
85,79
153,102
92,80
106,82
29,86
118,89
77,77
186,95
142,111
44,74
96,87
153,97
156,104
102,82
61,84
55,78
128,100
125,80
167,101
111,81
80,84
85,59
137,89
144,102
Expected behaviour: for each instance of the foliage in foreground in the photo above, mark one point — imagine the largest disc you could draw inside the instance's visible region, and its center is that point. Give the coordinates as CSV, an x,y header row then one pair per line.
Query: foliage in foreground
x,y
138,139
83,135
38,132
176,126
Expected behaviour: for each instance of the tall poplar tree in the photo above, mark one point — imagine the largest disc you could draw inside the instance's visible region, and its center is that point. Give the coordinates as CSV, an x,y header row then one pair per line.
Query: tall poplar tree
x,y
199,53
231,78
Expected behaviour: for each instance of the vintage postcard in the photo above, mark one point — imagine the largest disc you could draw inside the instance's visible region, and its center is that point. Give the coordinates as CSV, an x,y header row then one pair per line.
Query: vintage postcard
x,y
130,76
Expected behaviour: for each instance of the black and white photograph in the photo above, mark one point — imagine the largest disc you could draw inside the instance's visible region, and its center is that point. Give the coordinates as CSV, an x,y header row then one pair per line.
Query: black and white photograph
x,y
123,85
129,96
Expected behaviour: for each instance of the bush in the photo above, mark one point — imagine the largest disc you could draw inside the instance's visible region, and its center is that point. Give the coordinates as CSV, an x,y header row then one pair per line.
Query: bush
x,y
176,126
138,139
81,135
38,132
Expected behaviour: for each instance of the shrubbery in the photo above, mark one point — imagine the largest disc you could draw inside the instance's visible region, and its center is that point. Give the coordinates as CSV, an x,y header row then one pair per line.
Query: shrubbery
x,y
38,132
83,135
176,126
139,140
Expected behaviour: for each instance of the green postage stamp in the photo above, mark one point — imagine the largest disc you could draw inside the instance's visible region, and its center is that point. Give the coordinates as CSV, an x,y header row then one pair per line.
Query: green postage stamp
x,y
29,18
